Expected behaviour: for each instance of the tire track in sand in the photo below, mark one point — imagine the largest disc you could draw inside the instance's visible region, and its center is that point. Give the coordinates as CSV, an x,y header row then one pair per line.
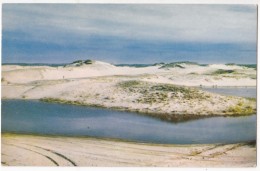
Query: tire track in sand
x,y
58,154
48,157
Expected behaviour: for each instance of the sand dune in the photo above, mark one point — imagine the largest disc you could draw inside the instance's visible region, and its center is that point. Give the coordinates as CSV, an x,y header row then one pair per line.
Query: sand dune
x,y
189,75
154,90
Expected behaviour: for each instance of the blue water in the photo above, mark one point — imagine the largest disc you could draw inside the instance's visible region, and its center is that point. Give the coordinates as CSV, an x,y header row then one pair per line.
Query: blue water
x,y
37,117
234,91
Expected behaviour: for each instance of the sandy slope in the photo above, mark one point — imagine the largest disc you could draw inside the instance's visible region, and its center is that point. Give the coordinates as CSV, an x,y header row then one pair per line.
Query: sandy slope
x,y
152,90
26,150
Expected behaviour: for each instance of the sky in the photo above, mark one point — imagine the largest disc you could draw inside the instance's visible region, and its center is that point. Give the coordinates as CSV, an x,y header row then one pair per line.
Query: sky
x,y
129,33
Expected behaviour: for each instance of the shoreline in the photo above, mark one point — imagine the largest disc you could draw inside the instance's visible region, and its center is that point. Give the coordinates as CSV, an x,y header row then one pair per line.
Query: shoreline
x,y
88,151
9,133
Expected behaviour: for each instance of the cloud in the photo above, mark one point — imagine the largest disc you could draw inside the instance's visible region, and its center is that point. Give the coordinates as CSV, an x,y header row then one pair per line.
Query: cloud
x,y
195,23
130,33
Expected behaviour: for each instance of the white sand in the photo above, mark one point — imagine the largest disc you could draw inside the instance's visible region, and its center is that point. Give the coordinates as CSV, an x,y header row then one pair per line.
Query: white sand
x,y
97,84
26,150
191,75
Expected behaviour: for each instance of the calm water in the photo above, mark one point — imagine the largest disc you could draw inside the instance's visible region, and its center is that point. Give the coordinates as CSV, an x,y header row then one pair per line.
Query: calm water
x,y
46,118
242,92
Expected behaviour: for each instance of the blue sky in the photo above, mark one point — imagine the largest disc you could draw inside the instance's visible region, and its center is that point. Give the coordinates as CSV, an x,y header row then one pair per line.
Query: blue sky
x,y
137,33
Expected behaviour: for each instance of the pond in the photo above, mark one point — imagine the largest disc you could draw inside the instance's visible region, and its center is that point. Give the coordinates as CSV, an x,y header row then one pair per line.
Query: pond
x,y
35,117
234,91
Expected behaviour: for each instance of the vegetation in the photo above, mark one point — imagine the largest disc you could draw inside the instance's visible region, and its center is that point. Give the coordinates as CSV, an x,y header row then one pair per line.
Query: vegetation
x,y
82,62
187,93
248,65
159,64
135,65
193,73
222,71
57,100
127,84
241,108
243,65
160,93
230,64
70,102
177,64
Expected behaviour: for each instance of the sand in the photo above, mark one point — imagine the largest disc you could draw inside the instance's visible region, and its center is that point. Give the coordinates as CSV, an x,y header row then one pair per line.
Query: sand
x,y
149,90
153,90
31,150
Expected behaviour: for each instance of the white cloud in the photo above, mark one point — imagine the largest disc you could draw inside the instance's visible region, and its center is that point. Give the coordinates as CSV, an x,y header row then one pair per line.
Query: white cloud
x,y
174,23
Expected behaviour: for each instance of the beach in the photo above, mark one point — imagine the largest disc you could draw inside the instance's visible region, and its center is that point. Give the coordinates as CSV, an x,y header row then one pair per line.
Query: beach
x,y
33,150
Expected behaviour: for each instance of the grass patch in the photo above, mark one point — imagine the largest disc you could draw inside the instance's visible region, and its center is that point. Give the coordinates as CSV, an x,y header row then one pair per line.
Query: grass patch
x,y
240,108
222,71
69,102
187,93
177,64
127,84
150,93
62,101
251,99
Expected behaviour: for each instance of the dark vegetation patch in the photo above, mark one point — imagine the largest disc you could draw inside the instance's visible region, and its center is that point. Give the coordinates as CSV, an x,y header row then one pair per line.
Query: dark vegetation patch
x,y
80,63
223,71
177,64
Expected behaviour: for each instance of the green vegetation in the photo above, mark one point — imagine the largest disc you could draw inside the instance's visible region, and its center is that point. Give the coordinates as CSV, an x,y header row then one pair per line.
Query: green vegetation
x,y
187,92
135,65
159,64
253,77
70,102
82,62
230,64
127,84
203,65
248,65
78,61
241,108
222,71
251,99
57,100
243,65
193,73
150,93
177,64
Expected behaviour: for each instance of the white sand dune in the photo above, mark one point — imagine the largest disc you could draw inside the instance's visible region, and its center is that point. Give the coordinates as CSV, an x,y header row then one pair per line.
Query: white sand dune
x,y
98,84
